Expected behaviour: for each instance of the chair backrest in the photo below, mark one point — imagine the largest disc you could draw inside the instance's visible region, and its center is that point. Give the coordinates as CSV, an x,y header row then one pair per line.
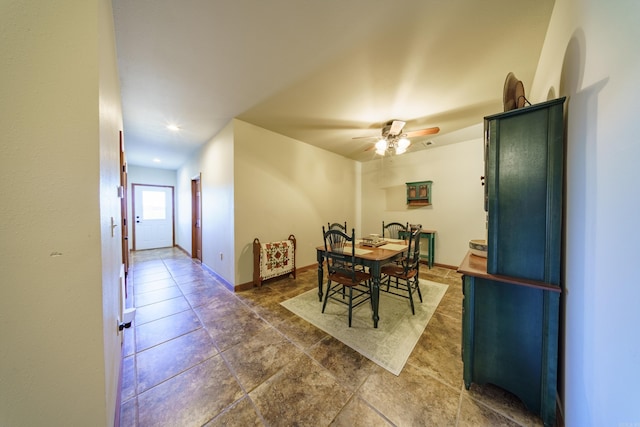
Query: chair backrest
x,y
340,252
337,226
392,230
412,260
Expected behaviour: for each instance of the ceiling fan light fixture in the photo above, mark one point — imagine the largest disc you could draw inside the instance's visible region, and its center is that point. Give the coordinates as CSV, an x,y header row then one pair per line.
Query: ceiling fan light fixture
x,y
403,143
393,141
381,146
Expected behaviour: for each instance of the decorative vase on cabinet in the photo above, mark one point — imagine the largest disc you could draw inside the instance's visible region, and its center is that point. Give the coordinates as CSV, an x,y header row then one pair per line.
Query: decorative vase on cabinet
x,y
512,298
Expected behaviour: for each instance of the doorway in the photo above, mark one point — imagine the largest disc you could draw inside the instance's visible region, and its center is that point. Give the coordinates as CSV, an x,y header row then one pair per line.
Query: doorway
x,y
153,212
122,193
196,219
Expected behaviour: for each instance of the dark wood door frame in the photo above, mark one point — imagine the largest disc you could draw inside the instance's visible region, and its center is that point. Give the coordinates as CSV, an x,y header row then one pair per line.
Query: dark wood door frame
x,y
196,217
122,193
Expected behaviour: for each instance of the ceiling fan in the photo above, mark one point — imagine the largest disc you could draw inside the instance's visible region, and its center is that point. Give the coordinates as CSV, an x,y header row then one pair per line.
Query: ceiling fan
x,y
393,140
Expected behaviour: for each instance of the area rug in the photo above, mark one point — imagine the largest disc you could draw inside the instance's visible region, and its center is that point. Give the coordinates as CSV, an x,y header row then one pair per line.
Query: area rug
x,y
398,330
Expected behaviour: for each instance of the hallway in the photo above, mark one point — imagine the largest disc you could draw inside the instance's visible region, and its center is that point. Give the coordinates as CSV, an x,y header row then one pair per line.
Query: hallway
x,y
199,354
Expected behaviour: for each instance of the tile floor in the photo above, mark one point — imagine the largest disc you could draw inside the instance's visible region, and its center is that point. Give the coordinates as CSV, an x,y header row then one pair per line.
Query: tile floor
x,y
201,355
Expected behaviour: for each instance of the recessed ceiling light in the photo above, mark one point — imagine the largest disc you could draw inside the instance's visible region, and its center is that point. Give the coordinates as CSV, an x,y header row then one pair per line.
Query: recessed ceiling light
x,y
173,127
157,160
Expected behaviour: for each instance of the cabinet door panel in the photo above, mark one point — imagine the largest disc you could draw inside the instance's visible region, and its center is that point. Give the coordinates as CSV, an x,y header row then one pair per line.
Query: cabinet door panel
x,y
524,171
508,338
520,174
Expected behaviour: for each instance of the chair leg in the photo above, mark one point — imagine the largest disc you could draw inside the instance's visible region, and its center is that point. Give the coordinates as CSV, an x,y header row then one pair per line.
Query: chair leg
x,y
413,310
350,303
418,288
326,296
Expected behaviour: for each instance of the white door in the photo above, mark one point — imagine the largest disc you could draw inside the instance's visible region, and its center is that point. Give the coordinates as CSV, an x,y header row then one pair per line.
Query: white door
x,y
153,217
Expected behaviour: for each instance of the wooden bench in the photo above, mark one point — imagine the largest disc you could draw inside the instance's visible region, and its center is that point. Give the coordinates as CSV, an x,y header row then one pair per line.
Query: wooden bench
x,y
273,259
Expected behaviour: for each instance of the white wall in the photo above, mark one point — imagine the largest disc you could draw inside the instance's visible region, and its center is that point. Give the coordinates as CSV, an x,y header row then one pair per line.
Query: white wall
x,y
284,186
215,162
257,183
110,125
151,176
591,56
148,176
61,115
457,211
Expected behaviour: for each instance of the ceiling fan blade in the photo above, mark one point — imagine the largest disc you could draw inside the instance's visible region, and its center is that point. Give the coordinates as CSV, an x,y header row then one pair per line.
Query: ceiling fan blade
x,y
396,127
365,137
421,132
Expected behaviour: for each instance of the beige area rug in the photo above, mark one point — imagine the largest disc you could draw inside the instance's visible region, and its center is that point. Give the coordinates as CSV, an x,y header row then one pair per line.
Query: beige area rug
x,y
398,330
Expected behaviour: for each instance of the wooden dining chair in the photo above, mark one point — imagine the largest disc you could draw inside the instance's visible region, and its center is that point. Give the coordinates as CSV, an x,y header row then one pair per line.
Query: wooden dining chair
x,y
337,226
403,276
392,230
340,256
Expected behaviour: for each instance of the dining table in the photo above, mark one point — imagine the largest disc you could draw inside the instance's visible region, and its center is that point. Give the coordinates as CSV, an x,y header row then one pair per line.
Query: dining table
x,y
372,257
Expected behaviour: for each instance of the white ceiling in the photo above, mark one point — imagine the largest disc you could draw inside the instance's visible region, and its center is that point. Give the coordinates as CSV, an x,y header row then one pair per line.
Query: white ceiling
x,y
321,72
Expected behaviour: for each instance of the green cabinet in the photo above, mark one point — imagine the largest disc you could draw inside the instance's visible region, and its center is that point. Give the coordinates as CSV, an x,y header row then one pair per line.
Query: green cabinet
x,y
512,298
510,339
524,167
419,193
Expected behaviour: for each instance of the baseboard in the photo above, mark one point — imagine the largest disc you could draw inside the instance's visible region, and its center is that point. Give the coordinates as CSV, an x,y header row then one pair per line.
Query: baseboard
x,y
183,250
249,285
217,276
450,267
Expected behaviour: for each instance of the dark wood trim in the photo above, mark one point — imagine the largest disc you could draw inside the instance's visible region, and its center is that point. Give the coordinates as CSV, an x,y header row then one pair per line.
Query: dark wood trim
x,y
182,249
124,214
249,285
437,264
196,216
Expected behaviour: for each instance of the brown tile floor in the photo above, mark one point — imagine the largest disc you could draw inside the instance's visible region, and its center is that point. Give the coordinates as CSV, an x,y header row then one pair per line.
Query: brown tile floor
x,y
199,354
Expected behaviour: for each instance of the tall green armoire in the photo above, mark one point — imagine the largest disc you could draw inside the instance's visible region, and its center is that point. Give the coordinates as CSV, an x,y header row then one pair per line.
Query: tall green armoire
x,y
511,298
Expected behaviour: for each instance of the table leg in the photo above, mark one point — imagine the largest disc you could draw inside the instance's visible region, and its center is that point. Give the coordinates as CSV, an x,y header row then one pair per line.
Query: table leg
x,y
432,245
375,291
320,259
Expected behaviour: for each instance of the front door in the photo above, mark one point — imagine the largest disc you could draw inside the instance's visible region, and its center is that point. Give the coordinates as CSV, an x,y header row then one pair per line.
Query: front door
x,y
153,216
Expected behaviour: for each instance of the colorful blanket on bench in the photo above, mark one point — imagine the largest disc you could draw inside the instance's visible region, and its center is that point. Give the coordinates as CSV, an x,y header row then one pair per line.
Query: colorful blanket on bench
x,y
276,259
